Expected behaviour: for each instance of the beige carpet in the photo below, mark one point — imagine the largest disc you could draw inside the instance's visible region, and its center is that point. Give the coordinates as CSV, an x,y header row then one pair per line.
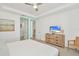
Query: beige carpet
x,y
64,51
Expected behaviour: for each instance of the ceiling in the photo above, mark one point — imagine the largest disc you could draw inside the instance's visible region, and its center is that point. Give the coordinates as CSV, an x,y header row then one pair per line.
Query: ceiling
x,y
44,8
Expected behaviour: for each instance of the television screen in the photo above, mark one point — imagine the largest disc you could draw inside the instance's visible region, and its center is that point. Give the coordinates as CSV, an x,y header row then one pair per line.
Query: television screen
x,y
55,28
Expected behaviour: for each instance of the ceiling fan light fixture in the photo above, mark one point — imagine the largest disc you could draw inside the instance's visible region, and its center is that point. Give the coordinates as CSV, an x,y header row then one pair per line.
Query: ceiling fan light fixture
x,y
35,6
36,9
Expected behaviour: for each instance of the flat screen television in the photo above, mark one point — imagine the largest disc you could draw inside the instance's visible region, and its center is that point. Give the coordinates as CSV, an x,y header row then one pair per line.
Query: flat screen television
x,y
55,28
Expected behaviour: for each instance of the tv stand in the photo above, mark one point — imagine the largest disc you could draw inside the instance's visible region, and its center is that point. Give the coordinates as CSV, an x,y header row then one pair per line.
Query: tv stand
x,y
56,39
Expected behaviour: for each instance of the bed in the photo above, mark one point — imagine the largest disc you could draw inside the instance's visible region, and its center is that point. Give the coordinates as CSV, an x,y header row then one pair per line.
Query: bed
x,y
29,48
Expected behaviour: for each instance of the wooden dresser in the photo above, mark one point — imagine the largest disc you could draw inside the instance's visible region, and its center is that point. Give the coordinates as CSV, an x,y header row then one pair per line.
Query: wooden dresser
x,y
56,39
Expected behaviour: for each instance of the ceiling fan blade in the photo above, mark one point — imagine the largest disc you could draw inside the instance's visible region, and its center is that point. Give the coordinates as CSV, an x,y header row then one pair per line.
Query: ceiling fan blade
x,y
34,5
39,3
29,4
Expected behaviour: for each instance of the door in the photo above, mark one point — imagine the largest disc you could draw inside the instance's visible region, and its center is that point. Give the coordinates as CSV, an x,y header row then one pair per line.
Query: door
x,y
23,29
26,28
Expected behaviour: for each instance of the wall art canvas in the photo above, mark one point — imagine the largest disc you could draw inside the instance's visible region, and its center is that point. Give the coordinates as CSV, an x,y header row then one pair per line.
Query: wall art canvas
x,y
7,25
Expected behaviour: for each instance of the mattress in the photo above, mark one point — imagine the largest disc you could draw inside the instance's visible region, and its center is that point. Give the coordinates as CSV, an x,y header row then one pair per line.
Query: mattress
x,y
31,48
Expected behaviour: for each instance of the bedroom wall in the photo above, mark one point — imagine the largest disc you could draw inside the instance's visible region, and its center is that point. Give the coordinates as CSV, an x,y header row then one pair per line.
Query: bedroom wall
x,y
12,35
69,20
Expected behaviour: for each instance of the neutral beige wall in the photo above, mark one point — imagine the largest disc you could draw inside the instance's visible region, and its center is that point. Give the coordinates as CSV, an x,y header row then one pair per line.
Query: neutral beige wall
x,y
11,35
68,20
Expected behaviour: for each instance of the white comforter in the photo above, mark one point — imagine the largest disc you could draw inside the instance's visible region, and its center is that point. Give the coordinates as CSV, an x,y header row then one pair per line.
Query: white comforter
x,y
31,48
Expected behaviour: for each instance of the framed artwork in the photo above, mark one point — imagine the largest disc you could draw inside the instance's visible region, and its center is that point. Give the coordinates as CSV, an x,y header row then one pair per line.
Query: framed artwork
x,y
7,25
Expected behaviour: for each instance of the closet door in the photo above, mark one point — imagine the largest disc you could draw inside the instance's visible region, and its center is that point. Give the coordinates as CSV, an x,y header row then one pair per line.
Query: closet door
x,y
26,28
23,29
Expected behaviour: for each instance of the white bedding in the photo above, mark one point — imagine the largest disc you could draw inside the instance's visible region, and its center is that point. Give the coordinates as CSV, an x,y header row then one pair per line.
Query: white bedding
x,y
31,48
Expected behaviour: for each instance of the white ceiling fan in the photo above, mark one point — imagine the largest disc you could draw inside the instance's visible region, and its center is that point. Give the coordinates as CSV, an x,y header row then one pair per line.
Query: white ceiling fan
x,y
34,5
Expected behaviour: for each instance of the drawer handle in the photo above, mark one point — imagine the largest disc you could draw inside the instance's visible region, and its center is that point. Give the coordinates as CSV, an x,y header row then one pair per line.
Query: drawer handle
x,y
48,38
56,43
56,37
56,40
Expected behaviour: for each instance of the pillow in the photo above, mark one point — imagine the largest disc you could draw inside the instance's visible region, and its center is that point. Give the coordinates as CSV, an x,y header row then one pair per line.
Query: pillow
x,y
3,49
